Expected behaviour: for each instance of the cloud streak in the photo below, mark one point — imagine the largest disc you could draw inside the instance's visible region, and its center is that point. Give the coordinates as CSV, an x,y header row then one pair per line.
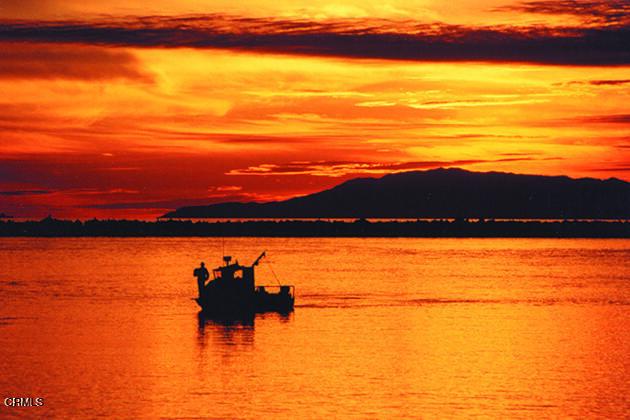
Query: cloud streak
x,y
605,119
178,202
21,193
343,168
59,61
613,82
350,38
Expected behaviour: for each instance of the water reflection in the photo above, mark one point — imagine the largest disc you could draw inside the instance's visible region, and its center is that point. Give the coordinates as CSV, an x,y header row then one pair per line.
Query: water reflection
x,y
206,320
225,332
234,331
282,317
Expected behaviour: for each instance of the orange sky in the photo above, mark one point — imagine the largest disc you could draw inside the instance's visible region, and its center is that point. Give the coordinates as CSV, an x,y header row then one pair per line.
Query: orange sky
x,y
132,110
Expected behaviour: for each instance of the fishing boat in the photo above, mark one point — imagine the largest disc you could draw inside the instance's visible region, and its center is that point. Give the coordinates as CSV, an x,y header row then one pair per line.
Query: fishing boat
x,y
233,291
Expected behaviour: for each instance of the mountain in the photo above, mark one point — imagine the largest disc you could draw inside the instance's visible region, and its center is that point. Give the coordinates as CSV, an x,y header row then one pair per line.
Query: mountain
x,y
443,193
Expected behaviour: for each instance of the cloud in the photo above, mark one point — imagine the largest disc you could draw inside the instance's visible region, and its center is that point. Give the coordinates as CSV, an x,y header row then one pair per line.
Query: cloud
x,y
225,188
61,61
613,169
177,202
618,82
605,119
612,12
609,82
20,193
376,104
473,103
342,168
159,205
351,38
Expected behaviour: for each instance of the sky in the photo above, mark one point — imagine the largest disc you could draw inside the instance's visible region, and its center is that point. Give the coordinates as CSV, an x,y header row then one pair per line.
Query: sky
x,y
125,109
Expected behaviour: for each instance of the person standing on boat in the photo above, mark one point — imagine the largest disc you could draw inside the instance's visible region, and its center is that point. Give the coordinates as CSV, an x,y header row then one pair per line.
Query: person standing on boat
x,y
202,275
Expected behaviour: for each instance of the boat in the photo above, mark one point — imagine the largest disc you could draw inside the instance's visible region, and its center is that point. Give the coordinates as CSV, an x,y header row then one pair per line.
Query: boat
x,y
233,291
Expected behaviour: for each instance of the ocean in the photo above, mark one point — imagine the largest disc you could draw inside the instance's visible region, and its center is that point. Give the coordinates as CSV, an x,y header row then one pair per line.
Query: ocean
x,y
382,328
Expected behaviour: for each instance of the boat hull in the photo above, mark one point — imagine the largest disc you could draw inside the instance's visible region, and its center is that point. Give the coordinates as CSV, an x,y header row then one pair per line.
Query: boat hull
x,y
239,304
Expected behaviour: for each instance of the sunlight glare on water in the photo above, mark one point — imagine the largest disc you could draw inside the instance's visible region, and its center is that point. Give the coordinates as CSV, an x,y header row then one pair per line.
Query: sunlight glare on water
x,y
385,328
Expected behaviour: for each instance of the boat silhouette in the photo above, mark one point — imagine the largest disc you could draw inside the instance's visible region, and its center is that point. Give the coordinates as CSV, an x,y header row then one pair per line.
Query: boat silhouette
x,y
233,292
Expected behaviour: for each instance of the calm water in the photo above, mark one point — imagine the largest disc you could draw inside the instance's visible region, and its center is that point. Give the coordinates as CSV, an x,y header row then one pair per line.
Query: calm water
x,y
383,328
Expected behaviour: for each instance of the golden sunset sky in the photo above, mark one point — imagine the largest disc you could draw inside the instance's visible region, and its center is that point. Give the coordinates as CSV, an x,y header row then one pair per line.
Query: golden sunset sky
x,y
130,109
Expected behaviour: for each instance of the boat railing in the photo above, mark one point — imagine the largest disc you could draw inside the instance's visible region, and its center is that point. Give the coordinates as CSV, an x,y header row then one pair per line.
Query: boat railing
x,y
287,289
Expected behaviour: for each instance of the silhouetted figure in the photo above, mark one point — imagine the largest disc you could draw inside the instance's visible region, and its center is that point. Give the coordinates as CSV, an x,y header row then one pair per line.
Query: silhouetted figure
x,y
202,275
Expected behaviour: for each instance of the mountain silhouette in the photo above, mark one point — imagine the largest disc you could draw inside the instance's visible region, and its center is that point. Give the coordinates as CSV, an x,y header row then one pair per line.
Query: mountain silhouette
x,y
443,193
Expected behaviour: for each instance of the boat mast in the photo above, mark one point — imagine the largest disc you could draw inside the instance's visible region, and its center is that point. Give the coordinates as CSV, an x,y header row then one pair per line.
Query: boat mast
x,y
259,258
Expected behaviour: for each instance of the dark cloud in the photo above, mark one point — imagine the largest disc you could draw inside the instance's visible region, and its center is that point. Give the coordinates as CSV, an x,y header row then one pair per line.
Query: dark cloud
x,y
618,82
55,61
605,119
609,82
20,193
611,12
354,38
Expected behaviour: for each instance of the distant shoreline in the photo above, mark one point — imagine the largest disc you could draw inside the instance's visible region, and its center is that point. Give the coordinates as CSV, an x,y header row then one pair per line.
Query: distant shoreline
x,y
461,228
